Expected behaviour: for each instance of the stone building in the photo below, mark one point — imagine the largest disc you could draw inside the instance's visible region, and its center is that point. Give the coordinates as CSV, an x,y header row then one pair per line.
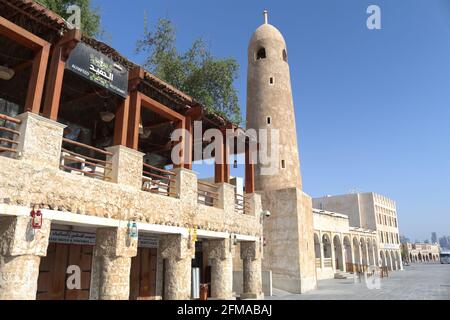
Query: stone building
x,y
370,211
421,252
289,230
92,206
341,249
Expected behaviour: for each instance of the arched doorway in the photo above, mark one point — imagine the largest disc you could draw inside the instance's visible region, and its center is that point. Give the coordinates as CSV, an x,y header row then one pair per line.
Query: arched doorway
x,y
371,253
431,256
394,261
317,250
326,242
364,253
383,259
399,260
420,257
338,253
411,257
348,253
356,251
388,261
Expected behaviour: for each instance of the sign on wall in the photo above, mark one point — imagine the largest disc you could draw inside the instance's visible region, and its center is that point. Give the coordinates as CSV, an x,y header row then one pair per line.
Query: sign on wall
x,y
94,66
72,237
86,238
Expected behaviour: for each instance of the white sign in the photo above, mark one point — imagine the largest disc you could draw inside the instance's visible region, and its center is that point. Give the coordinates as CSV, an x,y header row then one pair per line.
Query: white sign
x,y
72,237
148,242
85,238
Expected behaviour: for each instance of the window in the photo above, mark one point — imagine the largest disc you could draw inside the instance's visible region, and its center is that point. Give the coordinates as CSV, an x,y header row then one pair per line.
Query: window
x,y
285,57
271,80
261,54
283,164
269,121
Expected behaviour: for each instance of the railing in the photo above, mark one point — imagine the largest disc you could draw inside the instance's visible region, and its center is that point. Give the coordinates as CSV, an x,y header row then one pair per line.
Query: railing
x,y
208,193
318,264
9,133
241,204
327,263
78,163
159,181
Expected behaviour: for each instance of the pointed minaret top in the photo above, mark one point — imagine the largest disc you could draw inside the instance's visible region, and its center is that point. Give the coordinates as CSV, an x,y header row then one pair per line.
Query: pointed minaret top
x,y
266,17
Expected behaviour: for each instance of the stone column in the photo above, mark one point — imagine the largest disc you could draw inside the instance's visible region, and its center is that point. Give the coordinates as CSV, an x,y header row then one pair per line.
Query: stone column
x,y
127,166
400,262
226,198
322,256
21,249
251,254
220,253
344,258
40,140
254,203
112,264
178,252
333,256
185,187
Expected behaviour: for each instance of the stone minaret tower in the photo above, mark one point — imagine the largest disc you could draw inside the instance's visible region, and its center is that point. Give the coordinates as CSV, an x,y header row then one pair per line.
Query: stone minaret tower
x,y
270,105
289,251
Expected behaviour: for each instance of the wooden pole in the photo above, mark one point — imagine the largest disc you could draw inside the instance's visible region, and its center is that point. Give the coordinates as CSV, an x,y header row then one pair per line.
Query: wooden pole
x,y
56,73
133,122
121,122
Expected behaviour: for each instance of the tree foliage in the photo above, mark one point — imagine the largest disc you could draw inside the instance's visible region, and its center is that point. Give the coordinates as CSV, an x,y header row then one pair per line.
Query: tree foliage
x,y
90,17
196,72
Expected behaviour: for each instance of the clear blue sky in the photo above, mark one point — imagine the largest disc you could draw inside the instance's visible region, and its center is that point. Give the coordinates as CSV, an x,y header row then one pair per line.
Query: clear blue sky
x,y
372,107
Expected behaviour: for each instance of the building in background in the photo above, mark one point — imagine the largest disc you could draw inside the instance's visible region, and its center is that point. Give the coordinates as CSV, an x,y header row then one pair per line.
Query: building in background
x,y
421,252
434,238
369,211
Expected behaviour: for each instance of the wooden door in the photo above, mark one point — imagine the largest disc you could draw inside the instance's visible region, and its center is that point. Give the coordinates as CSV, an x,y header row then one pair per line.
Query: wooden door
x,y
143,274
53,272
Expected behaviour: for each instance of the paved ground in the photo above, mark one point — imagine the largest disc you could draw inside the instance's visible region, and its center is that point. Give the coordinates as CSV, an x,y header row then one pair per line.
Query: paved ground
x,y
416,282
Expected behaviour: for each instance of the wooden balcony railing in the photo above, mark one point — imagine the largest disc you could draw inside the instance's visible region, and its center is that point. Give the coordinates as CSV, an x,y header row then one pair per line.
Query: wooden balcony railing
x,y
241,205
94,166
158,181
9,134
208,194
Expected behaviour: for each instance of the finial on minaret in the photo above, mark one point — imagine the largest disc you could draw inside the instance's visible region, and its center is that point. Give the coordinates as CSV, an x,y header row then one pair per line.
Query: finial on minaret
x,y
266,17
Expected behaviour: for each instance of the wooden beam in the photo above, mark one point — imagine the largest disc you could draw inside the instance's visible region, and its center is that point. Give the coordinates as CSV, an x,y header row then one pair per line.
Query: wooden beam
x,y
181,125
121,122
56,73
21,35
37,79
160,109
22,66
188,146
195,113
134,120
219,168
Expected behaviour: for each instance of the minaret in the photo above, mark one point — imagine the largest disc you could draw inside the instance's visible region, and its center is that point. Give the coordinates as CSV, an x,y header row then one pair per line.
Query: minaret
x,y
270,105
289,234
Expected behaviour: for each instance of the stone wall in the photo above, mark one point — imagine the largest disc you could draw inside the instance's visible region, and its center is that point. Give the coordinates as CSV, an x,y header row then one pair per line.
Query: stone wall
x,y
25,184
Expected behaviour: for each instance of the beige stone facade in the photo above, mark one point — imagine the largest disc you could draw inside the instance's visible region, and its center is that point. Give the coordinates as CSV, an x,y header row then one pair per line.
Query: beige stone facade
x,y
373,212
421,252
34,180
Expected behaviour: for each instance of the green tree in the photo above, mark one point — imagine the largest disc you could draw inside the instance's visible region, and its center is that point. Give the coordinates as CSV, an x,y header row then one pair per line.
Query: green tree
x,y
196,72
90,17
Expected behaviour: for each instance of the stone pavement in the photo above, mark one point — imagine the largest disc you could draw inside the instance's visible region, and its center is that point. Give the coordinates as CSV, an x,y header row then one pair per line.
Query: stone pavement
x,y
416,282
